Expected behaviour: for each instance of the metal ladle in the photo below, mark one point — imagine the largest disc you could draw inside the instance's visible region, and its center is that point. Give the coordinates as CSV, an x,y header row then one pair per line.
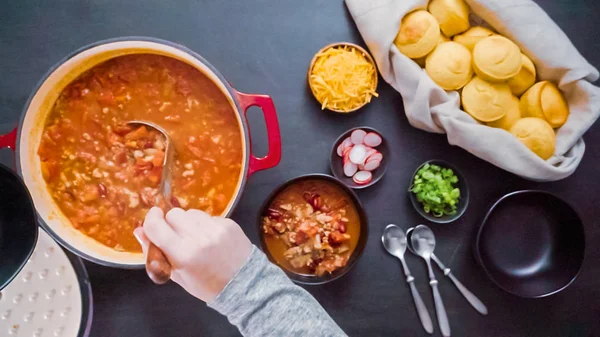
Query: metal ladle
x,y
423,242
473,300
394,241
158,266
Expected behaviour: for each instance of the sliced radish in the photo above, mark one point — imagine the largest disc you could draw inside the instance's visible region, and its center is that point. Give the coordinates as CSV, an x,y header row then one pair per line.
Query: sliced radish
x,y
358,154
350,169
370,151
357,136
375,156
346,143
340,150
371,165
362,177
372,139
346,155
361,167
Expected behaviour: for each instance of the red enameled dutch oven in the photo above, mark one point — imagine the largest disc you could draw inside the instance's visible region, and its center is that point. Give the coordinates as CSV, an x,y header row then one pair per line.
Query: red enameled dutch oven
x,y
25,139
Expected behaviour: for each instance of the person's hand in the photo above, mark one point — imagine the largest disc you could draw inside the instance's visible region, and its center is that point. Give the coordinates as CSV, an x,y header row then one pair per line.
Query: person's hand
x,y
205,252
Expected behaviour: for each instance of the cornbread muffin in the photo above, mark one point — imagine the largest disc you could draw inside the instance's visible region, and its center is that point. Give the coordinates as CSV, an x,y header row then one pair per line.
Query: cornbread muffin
x,y
470,38
537,135
524,79
496,59
544,100
449,65
486,101
421,60
419,34
513,114
452,15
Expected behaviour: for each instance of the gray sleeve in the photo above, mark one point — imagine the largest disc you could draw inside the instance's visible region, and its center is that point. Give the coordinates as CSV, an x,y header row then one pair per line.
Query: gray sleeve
x,y
260,300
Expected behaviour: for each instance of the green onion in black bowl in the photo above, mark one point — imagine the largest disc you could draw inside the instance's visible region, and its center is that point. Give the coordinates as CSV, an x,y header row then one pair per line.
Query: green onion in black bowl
x,y
439,192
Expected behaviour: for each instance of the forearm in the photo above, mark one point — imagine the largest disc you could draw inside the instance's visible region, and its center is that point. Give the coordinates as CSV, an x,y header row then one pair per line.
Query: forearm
x,y
262,301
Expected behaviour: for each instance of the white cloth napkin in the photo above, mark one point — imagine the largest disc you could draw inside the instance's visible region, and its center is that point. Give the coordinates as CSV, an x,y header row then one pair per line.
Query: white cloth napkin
x,y
429,107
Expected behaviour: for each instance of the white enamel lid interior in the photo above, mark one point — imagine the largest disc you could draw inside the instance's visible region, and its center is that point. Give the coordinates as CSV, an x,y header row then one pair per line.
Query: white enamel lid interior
x,y
44,300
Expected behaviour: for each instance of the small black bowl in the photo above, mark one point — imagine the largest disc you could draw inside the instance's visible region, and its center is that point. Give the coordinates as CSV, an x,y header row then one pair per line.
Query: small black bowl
x,y
336,163
531,244
356,254
18,226
462,185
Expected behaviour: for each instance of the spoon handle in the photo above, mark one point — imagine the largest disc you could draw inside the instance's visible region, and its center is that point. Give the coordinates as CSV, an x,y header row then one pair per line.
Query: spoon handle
x,y
440,309
421,309
439,304
158,267
473,300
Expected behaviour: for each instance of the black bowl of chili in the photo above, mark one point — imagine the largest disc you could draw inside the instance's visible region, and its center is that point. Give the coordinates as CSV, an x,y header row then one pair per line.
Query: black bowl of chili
x,y
319,203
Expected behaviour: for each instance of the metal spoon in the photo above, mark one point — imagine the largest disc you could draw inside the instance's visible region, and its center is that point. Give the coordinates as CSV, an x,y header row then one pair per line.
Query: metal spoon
x,y
158,266
473,300
423,242
394,241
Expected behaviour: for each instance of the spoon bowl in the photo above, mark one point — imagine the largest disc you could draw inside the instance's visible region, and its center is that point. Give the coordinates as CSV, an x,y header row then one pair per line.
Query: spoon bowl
x,y
164,188
423,241
394,240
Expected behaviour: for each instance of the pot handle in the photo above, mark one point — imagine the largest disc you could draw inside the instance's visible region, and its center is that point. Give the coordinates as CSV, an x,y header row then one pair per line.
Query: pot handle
x,y
274,136
9,140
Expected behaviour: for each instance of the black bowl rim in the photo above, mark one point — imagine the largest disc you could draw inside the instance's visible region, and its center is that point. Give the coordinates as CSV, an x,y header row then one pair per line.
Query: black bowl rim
x,y
415,203
383,167
484,222
35,225
356,254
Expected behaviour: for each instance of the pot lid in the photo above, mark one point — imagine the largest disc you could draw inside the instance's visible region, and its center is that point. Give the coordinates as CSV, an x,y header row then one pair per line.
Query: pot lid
x,y
46,298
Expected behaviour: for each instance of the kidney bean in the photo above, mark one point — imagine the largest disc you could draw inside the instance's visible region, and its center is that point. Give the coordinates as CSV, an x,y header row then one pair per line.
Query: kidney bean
x,y
102,191
274,214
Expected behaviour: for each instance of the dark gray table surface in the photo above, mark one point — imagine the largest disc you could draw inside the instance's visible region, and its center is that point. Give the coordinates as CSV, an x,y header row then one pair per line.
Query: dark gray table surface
x,y
264,46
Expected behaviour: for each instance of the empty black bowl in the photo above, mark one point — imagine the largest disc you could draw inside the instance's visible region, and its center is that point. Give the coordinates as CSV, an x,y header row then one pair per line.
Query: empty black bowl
x,y
358,250
337,163
463,202
531,244
18,226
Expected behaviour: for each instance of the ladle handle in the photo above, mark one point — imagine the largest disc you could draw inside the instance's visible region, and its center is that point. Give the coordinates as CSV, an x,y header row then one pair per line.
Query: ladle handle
x,y
158,266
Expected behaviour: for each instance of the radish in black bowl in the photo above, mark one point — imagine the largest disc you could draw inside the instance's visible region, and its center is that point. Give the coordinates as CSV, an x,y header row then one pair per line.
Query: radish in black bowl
x,y
359,157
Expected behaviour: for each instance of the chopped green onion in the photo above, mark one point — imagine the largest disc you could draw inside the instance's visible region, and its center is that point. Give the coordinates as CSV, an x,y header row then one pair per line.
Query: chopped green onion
x,y
435,188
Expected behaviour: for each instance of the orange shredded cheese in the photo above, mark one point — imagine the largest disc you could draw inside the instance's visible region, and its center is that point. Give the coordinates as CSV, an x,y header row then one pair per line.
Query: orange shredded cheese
x,y
342,79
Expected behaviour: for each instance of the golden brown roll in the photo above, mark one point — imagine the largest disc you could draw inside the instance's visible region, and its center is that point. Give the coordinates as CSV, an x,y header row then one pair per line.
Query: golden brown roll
x,y
485,101
513,114
544,100
524,79
470,38
496,58
452,15
449,65
537,135
421,60
419,34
